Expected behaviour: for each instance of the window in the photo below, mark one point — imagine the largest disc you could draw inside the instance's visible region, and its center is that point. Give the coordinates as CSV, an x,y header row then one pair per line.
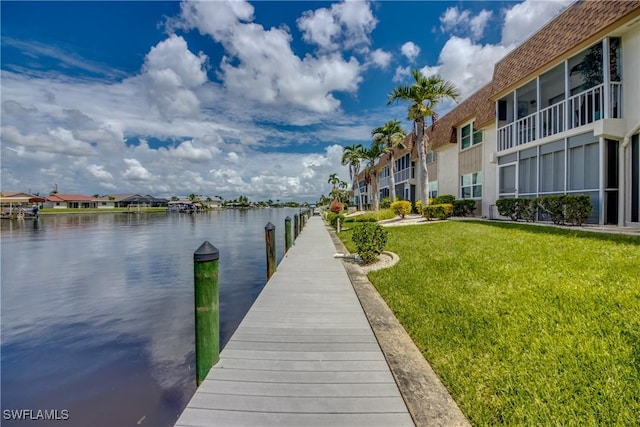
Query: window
x,y
471,185
433,189
469,136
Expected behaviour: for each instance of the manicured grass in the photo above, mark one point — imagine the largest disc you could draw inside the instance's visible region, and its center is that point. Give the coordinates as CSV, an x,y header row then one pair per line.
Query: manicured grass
x,y
525,325
379,215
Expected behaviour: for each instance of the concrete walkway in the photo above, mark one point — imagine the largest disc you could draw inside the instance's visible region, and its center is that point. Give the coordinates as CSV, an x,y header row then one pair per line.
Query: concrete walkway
x,y
304,355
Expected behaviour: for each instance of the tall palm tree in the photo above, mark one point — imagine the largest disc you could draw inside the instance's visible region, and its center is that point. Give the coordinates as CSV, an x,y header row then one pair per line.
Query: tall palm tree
x,y
391,137
424,95
371,156
333,180
352,155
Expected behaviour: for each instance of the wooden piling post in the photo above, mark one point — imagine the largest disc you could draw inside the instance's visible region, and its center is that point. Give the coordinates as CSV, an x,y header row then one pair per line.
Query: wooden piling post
x,y
207,316
296,230
270,243
287,234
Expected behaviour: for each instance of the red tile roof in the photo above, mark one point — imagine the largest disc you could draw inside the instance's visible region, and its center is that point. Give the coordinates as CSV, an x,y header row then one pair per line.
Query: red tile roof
x,y
69,198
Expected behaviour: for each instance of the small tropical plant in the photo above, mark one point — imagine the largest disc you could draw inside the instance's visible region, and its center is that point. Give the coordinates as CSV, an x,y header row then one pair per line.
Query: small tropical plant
x,y
336,207
401,208
370,240
385,203
442,211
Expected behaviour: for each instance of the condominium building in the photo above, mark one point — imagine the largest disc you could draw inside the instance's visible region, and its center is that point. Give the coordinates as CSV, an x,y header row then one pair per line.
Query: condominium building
x,y
560,116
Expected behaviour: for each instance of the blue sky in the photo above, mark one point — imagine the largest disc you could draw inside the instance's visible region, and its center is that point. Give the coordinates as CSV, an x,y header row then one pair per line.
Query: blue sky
x,y
242,98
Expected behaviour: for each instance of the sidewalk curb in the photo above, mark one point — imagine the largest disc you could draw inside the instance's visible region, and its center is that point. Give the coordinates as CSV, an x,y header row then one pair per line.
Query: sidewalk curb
x,y
428,401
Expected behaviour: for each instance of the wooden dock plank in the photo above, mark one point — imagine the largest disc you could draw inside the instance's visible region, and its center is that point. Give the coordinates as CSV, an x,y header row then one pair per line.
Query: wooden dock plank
x,y
300,405
203,418
216,386
304,355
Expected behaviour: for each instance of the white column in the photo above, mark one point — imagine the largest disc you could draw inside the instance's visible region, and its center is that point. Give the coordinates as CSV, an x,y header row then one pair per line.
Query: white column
x,y
567,93
538,102
606,78
601,182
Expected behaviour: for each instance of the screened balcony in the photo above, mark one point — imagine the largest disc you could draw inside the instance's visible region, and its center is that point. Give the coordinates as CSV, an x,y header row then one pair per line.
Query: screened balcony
x,y
575,93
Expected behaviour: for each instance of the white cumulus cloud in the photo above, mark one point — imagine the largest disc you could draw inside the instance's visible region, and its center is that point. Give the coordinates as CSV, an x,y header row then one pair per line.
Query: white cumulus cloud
x,y
99,172
410,50
380,58
135,171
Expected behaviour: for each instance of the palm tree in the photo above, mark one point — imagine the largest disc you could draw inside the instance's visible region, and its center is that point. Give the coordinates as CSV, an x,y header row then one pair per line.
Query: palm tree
x,y
371,156
424,95
352,155
391,137
333,180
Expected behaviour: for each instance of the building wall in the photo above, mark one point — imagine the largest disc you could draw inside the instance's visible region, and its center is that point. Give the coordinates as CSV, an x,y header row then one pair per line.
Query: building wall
x,y
448,177
631,76
470,160
490,170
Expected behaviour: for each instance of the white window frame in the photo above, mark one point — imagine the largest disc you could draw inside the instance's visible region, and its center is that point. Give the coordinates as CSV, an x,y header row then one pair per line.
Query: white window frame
x,y
471,181
473,132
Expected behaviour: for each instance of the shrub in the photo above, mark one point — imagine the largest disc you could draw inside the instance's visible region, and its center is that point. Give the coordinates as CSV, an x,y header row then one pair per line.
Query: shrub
x,y
401,208
370,240
443,200
442,211
577,208
464,207
418,207
527,209
336,207
554,207
385,203
508,207
333,217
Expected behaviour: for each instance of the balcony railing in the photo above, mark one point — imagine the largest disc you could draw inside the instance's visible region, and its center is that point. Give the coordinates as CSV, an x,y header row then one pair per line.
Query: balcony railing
x,y
526,129
505,137
584,108
402,175
383,182
552,119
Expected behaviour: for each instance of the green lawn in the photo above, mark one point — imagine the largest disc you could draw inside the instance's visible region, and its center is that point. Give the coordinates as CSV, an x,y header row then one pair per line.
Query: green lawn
x,y
525,325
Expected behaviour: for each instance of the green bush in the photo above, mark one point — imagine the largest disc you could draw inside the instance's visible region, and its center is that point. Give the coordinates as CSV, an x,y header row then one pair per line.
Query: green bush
x,y
333,217
401,208
463,207
385,203
508,207
370,240
554,207
442,211
443,200
527,209
573,209
577,208
417,207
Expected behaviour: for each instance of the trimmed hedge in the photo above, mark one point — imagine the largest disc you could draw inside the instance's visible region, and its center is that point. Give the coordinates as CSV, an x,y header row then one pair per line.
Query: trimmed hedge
x,y
572,209
442,200
401,208
464,207
442,211
333,217
370,240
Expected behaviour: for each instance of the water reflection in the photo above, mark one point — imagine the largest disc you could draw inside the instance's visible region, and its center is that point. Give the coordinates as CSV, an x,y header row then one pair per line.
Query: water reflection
x,y
97,309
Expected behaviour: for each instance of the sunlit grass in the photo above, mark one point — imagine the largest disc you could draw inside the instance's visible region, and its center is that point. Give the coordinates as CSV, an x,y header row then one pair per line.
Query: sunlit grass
x,y
526,325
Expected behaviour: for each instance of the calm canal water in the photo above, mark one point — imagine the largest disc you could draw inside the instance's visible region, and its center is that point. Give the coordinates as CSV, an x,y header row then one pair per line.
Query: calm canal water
x,y
97,309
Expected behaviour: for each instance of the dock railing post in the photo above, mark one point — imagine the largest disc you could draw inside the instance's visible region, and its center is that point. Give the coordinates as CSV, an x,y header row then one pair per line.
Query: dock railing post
x,y
270,243
287,234
207,316
296,230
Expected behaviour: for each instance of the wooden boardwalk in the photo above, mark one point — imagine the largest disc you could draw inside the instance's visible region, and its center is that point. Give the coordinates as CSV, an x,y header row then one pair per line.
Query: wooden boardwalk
x,y
304,355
